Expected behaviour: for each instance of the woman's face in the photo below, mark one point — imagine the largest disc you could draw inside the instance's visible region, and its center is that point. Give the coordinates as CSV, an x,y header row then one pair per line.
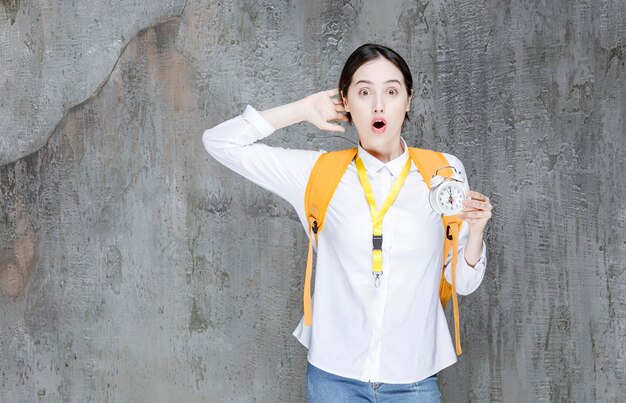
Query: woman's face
x,y
377,100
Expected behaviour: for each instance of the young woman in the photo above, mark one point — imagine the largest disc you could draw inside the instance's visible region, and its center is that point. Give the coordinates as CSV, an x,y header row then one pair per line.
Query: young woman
x,y
369,340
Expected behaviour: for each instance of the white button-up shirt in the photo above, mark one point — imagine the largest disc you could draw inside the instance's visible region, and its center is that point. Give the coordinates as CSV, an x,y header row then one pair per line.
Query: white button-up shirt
x,y
394,333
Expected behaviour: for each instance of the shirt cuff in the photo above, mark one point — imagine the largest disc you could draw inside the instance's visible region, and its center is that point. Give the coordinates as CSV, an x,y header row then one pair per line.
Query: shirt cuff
x,y
480,265
261,124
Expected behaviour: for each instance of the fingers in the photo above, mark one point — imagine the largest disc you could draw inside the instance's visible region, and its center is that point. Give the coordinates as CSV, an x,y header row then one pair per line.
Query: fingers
x,y
321,120
471,204
477,201
334,93
340,108
340,117
337,103
476,196
326,107
474,215
476,208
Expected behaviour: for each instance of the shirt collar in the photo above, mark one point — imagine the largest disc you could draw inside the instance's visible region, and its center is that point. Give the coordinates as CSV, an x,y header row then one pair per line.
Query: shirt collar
x,y
373,164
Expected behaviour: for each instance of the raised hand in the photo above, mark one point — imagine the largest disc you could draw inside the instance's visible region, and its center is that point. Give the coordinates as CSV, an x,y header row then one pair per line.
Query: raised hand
x,y
324,107
319,109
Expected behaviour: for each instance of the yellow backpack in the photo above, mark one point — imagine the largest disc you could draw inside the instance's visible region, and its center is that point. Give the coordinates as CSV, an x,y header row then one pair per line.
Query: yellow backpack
x,y
324,179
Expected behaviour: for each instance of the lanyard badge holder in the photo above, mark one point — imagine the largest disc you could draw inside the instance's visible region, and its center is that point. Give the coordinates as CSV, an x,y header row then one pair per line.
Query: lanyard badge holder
x,y
377,215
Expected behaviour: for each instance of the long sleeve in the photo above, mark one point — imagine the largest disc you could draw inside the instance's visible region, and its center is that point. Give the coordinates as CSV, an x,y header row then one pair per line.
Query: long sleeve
x,y
281,171
468,278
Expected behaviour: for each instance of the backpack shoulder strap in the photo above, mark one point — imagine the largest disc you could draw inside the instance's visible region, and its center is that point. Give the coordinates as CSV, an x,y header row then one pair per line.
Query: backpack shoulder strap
x,y
427,162
323,180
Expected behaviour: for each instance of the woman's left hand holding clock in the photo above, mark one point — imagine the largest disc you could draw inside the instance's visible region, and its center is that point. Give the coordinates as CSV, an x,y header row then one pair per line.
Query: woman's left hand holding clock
x,y
477,211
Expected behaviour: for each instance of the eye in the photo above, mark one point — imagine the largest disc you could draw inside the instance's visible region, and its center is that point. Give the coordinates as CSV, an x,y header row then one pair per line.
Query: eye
x,y
392,91
364,92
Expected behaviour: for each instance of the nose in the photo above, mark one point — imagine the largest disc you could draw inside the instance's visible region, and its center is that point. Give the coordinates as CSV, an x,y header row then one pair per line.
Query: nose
x,y
378,105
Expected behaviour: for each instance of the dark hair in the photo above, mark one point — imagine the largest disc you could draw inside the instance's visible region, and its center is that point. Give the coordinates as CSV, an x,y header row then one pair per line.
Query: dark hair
x,y
366,53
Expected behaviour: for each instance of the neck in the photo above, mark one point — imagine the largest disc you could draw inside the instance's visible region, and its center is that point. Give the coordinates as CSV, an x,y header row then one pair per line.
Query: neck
x,y
388,154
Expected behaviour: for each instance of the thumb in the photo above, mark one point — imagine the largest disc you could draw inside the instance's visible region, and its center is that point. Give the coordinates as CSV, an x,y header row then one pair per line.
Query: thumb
x,y
333,128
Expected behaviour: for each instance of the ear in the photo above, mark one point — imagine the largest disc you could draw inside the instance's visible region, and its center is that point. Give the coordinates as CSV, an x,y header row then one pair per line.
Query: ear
x,y
408,104
344,99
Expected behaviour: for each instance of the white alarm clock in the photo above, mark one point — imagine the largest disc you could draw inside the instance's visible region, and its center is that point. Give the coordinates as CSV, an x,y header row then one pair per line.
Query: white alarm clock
x,y
447,193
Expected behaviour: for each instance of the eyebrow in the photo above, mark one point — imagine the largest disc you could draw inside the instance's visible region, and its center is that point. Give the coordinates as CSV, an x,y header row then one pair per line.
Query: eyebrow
x,y
369,82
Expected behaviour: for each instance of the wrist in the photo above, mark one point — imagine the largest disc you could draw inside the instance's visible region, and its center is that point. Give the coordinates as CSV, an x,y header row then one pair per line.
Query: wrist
x,y
476,232
300,110
284,115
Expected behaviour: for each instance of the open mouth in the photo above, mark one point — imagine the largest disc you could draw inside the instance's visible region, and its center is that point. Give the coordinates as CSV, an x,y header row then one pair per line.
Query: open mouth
x,y
379,125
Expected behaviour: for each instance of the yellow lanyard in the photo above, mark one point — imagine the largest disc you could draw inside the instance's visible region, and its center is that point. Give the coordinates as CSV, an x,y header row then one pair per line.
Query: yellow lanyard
x,y
377,216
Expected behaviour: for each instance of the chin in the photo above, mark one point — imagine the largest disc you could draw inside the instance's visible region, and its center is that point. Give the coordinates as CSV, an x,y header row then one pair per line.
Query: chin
x,y
381,142
387,138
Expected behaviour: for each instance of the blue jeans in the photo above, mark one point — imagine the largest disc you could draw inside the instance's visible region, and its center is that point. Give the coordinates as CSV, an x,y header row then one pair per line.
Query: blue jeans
x,y
323,387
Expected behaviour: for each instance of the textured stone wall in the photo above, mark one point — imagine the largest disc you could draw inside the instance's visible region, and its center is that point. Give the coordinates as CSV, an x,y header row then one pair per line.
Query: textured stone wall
x,y
133,267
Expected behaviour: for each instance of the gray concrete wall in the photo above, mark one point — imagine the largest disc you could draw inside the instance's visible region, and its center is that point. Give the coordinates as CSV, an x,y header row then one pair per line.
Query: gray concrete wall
x,y
134,268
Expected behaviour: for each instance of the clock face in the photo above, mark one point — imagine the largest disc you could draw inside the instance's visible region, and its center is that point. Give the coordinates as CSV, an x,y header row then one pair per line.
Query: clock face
x,y
450,197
